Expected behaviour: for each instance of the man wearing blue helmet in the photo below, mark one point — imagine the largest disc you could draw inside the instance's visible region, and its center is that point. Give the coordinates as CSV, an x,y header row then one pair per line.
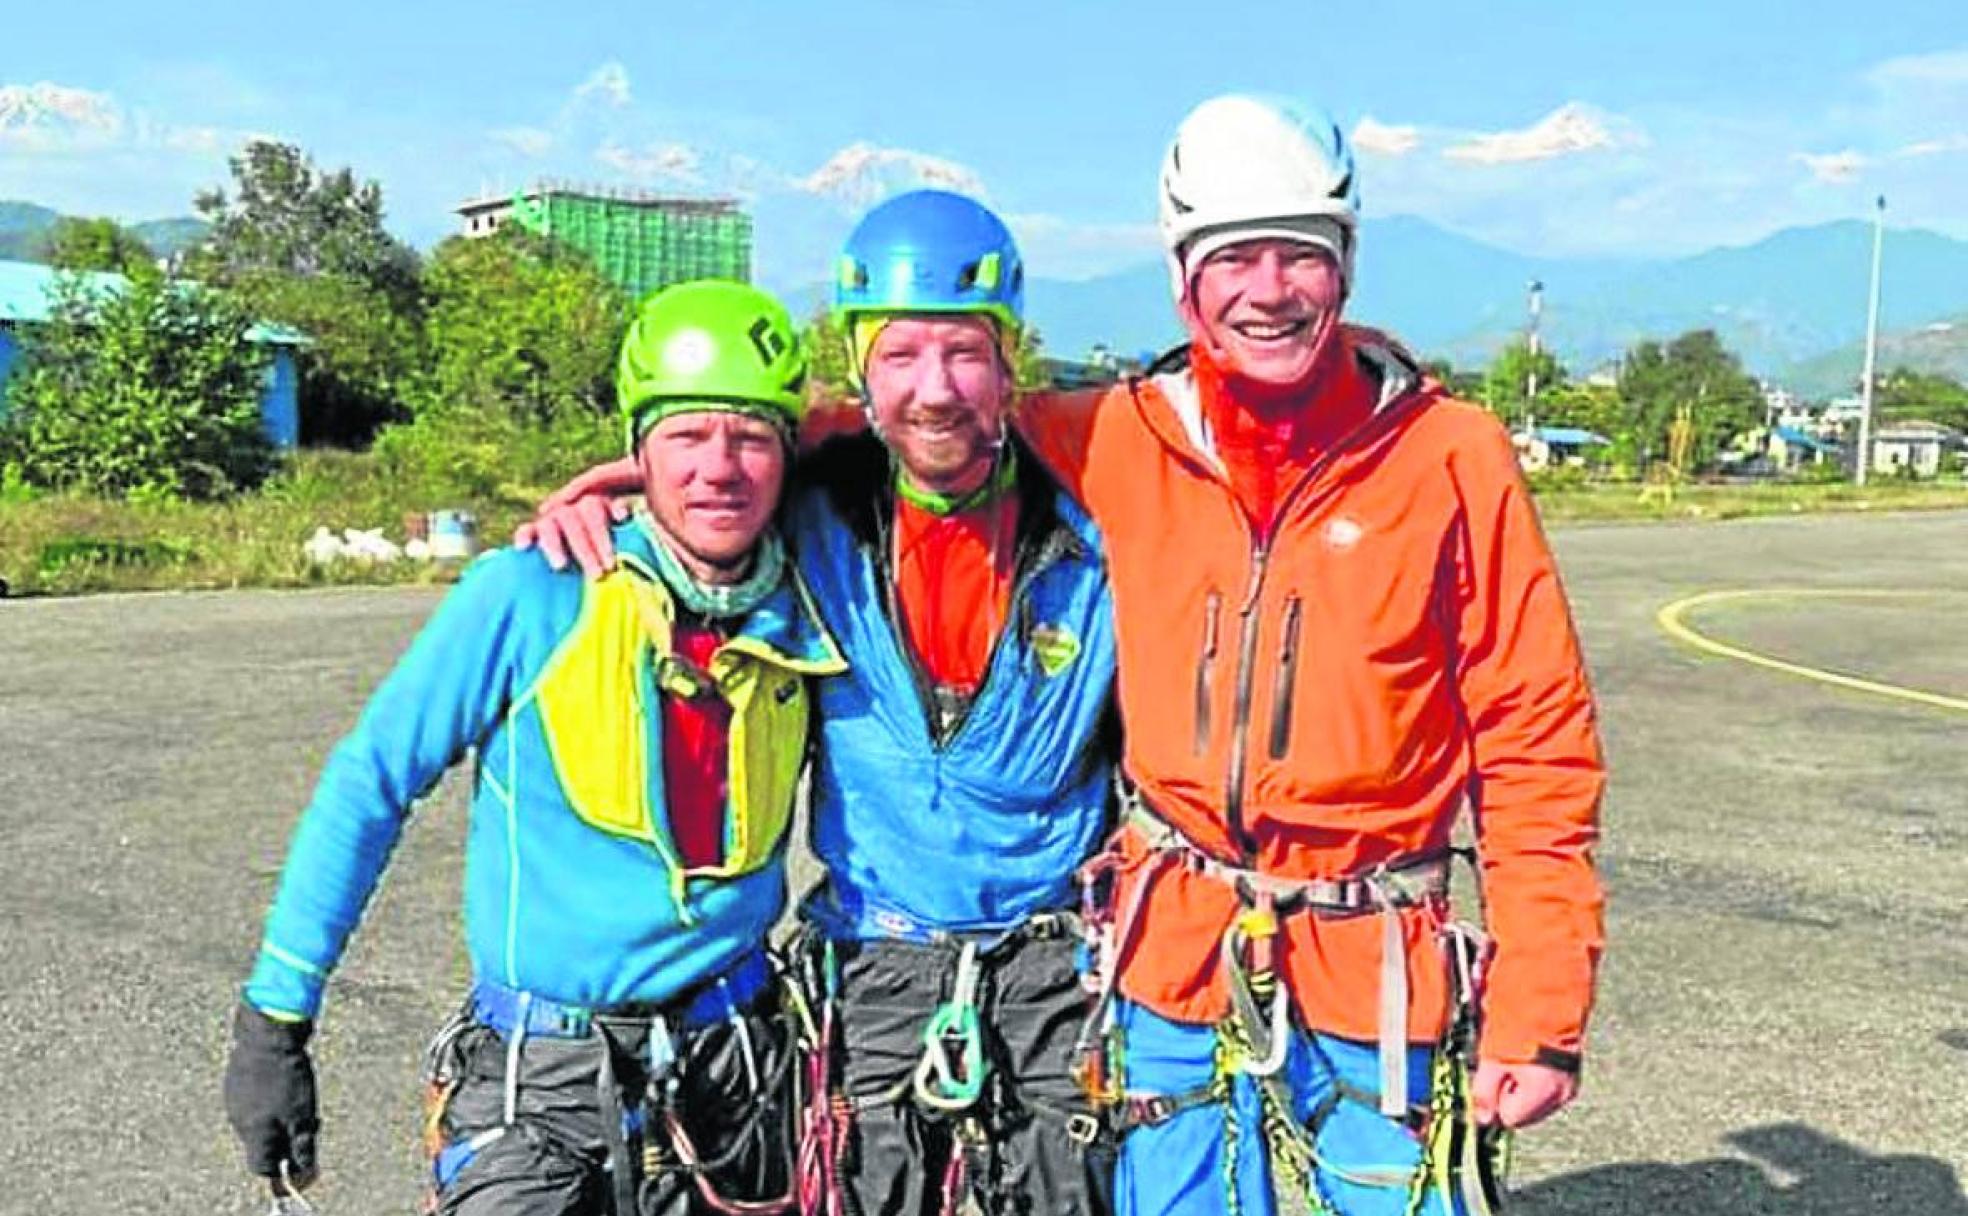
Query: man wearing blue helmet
x,y
964,766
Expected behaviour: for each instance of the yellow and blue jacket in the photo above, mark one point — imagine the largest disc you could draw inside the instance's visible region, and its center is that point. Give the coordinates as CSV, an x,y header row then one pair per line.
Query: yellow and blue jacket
x,y
573,887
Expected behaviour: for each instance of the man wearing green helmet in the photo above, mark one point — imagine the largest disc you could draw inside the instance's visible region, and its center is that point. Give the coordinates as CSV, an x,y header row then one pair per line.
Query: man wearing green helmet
x,y
637,742
963,765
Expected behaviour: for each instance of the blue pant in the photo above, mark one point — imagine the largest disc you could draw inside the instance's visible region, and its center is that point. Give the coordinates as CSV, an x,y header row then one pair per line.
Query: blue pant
x,y
1189,1165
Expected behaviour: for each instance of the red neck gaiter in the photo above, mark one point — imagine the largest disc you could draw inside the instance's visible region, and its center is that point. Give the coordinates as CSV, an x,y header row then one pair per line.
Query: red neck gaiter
x,y
1269,441
953,585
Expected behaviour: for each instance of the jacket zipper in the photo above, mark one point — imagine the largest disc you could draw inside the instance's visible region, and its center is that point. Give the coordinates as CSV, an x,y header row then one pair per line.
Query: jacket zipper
x,y
1281,699
1240,722
1247,645
1029,564
1212,606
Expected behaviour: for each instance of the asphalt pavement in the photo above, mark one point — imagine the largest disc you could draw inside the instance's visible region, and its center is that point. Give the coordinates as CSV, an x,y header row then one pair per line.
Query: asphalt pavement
x,y
1782,1027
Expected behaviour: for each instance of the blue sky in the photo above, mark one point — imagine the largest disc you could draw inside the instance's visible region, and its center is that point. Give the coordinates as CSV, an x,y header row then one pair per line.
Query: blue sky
x,y
1552,128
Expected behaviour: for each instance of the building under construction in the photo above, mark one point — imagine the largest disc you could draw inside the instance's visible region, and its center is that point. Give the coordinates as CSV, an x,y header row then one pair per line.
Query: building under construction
x,y
640,241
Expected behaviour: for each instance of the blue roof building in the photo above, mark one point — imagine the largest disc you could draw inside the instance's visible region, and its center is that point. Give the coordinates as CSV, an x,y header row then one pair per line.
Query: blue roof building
x,y
1808,442
1570,437
27,298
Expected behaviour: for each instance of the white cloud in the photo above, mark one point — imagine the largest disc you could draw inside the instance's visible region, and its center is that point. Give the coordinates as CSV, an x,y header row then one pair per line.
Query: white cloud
x,y
1071,249
1385,140
608,84
666,162
1570,129
1940,67
1934,147
863,174
47,116
203,140
1833,168
527,141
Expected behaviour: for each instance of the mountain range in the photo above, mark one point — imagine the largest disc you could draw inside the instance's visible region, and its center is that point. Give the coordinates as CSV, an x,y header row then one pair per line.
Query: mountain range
x,y
23,227
1792,305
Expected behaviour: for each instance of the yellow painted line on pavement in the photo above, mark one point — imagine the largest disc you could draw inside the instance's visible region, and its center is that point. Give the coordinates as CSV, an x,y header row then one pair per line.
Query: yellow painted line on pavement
x,y
1669,619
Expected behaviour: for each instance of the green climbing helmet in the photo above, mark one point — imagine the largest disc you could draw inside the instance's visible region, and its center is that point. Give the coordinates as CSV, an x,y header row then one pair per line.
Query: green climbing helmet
x,y
710,345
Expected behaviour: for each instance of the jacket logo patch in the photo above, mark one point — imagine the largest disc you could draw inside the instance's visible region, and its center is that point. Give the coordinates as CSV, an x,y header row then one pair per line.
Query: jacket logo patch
x,y
1055,647
1342,534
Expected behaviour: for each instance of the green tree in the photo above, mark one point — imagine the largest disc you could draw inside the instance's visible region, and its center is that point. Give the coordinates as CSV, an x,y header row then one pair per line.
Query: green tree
x,y
518,392
1907,394
1027,360
96,244
827,357
1507,383
152,390
1694,370
1591,407
1467,386
308,248
285,216
520,325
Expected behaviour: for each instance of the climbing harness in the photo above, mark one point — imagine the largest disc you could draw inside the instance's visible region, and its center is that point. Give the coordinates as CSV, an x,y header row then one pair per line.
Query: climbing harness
x,y
653,1120
1458,1158
952,1080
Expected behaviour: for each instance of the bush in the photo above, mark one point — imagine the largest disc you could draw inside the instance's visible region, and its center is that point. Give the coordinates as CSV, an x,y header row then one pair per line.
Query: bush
x,y
461,455
144,392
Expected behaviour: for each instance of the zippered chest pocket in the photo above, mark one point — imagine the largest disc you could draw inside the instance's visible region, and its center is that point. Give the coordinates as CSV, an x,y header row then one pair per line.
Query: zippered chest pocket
x,y
1281,697
1205,667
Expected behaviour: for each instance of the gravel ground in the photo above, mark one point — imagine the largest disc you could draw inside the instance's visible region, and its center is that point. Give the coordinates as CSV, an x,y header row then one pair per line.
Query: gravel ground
x,y
1783,1024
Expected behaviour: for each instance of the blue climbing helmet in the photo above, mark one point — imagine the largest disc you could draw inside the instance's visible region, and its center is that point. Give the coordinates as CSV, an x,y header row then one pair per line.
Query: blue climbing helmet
x,y
931,251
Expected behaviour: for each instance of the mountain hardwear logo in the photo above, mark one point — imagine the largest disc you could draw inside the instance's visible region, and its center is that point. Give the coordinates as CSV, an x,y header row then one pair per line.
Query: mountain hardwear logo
x,y
1055,647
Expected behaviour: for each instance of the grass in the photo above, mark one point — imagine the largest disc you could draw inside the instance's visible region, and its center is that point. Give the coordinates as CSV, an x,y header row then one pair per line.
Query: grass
x,y
67,545
1586,503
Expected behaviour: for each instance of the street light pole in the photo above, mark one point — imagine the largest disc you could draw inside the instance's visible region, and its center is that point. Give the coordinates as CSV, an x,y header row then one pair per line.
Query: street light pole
x,y
1872,343
1531,385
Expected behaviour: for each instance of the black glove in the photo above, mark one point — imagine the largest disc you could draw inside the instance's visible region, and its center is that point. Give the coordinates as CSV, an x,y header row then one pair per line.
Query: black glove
x,y
269,1094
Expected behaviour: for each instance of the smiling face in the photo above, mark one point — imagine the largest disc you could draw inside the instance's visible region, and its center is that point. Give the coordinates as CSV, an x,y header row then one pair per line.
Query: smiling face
x,y
1266,309
712,480
938,389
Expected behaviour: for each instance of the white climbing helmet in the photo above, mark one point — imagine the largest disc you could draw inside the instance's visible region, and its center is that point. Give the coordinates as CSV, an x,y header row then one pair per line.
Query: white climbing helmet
x,y
1241,168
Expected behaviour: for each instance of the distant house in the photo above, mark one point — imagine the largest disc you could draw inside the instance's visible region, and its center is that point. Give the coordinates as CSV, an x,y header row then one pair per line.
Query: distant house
x,y
1916,446
1790,449
1100,368
1843,411
26,300
1545,446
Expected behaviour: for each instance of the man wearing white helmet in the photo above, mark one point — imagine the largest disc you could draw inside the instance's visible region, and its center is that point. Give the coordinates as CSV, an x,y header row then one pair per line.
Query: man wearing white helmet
x,y
1340,629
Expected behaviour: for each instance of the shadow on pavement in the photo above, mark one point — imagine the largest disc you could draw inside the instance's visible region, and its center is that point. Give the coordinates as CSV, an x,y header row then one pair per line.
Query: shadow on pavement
x,y
1792,1169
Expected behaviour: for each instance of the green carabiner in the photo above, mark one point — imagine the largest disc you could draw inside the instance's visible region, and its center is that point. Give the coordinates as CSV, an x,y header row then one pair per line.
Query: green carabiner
x,y
949,1023
953,1023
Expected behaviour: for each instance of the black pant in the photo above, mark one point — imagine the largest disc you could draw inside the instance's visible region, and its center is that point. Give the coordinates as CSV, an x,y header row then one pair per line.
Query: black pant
x,y
1037,1155
552,1159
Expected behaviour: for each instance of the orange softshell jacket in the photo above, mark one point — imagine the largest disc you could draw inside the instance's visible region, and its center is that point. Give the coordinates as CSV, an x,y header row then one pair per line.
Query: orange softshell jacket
x,y
1330,701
